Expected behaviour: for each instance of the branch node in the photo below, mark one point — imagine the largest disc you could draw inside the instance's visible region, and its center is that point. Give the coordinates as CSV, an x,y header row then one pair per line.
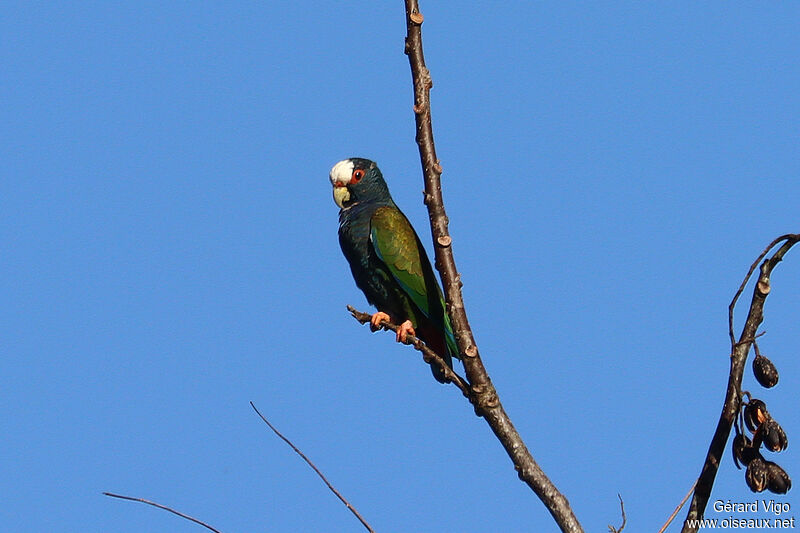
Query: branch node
x,y
484,397
444,241
471,351
763,285
416,18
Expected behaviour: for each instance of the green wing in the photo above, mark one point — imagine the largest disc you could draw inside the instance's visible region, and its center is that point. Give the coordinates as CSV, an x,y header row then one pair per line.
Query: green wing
x,y
397,246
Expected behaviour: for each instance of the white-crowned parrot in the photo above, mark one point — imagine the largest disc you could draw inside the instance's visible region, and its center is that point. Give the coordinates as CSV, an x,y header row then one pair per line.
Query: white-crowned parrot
x,y
387,259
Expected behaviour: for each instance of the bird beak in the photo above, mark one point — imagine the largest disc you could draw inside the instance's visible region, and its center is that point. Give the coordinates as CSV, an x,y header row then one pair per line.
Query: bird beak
x,y
340,194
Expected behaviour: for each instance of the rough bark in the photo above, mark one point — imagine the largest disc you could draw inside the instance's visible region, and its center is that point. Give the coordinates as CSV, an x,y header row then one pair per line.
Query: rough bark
x,y
483,395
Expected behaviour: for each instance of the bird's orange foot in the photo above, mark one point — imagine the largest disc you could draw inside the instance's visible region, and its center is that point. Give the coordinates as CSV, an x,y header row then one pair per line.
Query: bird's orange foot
x,y
377,318
406,328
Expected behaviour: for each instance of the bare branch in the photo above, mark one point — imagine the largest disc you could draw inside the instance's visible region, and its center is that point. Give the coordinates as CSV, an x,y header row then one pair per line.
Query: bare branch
x,y
320,474
429,356
164,507
769,247
612,529
484,396
677,509
739,352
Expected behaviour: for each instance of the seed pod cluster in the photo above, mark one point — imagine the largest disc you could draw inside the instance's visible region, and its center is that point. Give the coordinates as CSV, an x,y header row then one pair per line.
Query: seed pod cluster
x,y
761,474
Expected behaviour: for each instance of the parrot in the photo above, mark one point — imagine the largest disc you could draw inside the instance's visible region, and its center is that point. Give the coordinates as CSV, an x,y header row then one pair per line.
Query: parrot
x,y
388,261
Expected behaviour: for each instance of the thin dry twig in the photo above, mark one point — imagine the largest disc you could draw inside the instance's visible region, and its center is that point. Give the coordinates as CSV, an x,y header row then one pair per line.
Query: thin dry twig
x,y
483,394
750,339
677,509
313,467
430,357
739,352
619,529
164,507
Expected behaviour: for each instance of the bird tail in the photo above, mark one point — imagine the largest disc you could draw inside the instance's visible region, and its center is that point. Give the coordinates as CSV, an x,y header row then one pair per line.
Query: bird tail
x,y
445,346
437,372
450,339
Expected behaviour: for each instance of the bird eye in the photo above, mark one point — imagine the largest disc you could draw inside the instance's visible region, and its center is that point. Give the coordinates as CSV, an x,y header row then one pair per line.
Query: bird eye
x,y
357,175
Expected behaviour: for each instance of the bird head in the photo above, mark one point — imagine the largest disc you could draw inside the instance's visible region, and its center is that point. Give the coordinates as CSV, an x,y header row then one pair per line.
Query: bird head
x,y
357,180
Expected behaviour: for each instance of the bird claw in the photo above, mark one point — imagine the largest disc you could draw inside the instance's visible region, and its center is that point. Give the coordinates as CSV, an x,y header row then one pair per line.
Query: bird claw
x,y
376,319
406,328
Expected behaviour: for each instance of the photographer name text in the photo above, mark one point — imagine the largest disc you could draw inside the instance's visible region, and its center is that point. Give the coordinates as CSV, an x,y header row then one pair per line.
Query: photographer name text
x,y
755,506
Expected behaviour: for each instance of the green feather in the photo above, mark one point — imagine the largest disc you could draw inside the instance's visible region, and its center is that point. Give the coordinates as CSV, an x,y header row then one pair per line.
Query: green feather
x,y
398,246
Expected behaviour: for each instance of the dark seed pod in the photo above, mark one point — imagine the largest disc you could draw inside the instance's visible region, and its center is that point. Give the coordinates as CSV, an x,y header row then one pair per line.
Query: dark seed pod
x,y
765,372
743,450
755,412
757,475
773,436
778,480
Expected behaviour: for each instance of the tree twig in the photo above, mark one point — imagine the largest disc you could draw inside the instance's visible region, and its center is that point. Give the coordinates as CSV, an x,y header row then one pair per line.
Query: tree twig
x,y
484,396
612,529
430,357
739,351
164,507
769,247
313,467
677,509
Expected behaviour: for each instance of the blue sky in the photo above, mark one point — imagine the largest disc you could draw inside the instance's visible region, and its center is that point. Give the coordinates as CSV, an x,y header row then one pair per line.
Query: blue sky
x,y
170,254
